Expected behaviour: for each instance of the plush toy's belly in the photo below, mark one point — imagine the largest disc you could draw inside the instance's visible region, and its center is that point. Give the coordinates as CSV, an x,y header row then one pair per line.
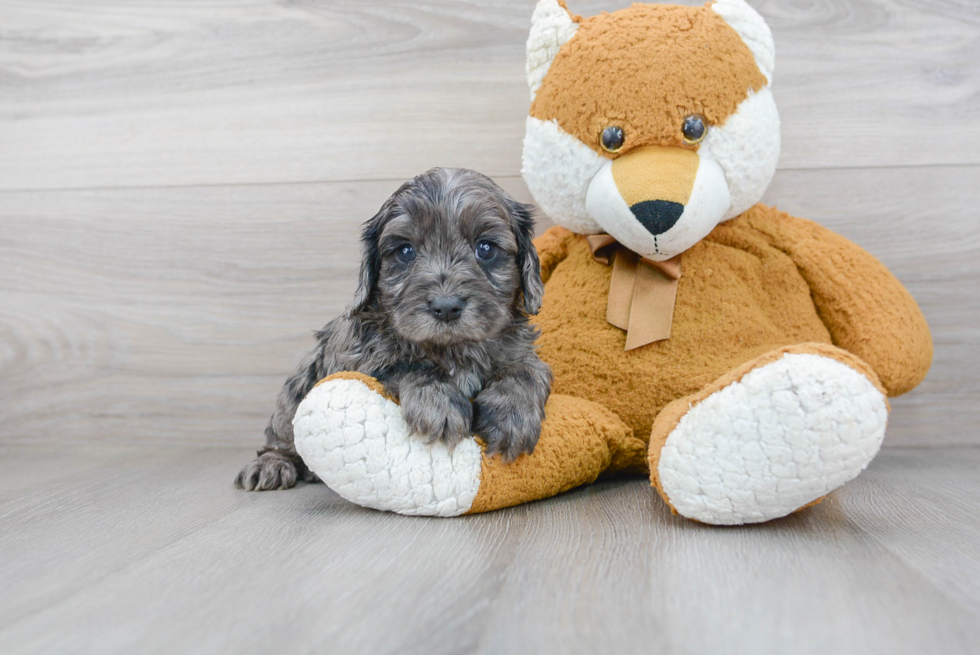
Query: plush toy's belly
x,y
737,298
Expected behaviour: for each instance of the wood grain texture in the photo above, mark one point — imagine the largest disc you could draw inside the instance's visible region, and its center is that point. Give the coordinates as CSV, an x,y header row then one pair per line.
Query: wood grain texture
x,y
167,313
150,550
181,186
117,93
922,223
175,314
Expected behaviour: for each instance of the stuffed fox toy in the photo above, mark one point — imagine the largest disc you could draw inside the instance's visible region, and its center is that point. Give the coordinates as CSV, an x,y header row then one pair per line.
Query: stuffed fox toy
x,y
740,357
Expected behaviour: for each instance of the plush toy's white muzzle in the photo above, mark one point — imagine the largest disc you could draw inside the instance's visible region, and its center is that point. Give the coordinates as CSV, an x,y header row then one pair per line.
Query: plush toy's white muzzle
x,y
658,202
573,182
579,189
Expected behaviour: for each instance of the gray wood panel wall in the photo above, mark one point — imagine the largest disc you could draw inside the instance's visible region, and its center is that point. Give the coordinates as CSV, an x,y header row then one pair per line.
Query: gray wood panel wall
x,y
181,184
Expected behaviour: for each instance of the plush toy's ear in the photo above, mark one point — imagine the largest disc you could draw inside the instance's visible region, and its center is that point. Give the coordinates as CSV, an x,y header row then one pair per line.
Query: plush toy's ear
x,y
551,27
367,280
522,223
754,32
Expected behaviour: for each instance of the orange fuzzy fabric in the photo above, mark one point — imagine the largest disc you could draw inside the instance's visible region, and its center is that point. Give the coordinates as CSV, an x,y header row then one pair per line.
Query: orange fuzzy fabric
x,y
759,286
579,441
759,282
644,69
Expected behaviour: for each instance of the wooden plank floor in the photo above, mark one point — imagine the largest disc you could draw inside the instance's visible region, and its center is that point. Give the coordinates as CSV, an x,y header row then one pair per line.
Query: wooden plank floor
x,y
116,549
181,186
257,91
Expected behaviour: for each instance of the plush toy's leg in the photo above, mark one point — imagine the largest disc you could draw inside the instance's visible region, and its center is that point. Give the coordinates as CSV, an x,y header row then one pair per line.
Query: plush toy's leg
x,y
769,438
351,434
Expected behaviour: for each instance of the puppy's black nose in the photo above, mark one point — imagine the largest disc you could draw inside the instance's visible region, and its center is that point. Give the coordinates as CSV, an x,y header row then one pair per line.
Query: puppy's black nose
x,y
447,308
657,216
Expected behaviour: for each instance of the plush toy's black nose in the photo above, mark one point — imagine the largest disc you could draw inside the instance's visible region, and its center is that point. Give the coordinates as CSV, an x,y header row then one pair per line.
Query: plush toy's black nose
x,y
446,308
657,216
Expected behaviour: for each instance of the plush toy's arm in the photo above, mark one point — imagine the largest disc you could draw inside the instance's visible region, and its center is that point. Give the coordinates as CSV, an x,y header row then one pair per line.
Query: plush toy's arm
x,y
866,309
352,434
552,247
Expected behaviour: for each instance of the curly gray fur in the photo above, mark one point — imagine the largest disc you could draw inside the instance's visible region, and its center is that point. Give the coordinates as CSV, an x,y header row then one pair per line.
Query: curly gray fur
x,y
474,374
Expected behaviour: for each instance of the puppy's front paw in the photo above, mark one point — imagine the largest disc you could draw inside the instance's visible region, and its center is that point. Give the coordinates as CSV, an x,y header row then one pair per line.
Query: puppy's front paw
x,y
268,471
438,413
509,424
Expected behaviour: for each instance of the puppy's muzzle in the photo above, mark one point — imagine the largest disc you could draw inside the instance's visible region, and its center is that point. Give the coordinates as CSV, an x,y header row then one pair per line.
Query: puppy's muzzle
x,y
658,201
446,308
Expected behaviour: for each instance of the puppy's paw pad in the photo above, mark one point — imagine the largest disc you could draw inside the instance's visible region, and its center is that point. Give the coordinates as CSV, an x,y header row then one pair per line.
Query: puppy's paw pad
x,y
508,444
507,429
267,472
438,417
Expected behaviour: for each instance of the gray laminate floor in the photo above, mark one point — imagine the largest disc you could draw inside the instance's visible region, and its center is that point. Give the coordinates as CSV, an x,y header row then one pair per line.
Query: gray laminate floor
x,y
181,189
150,550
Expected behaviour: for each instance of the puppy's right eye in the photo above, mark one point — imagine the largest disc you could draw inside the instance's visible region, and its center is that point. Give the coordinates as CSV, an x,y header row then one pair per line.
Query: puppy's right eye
x,y
405,254
486,250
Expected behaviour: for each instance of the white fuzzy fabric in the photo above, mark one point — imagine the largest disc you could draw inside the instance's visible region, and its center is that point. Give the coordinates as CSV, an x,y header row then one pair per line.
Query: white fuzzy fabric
x,y
786,434
704,210
357,442
747,149
558,169
551,28
754,32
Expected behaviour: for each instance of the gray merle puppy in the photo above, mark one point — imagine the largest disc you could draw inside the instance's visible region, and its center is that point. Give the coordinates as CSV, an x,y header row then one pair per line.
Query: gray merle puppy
x,y
448,279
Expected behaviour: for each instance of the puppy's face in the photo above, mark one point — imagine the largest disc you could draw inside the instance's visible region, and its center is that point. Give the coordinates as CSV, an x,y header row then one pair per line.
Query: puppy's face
x,y
449,259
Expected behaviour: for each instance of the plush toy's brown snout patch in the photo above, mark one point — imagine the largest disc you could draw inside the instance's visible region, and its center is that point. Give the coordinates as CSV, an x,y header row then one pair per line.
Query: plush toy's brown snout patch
x,y
656,184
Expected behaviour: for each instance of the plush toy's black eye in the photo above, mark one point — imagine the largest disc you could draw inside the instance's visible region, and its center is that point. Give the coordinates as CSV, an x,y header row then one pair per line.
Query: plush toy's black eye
x,y
486,250
405,253
695,129
612,139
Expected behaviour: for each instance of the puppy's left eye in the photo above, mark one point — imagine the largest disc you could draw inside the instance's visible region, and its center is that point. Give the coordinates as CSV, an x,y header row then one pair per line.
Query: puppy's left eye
x,y
486,250
405,254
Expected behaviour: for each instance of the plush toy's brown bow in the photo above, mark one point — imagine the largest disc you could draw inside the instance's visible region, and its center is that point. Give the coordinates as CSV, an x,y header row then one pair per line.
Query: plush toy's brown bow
x,y
641,293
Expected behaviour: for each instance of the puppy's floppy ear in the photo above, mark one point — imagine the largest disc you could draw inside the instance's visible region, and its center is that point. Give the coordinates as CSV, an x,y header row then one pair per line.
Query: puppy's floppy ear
x,y
522,223
367,281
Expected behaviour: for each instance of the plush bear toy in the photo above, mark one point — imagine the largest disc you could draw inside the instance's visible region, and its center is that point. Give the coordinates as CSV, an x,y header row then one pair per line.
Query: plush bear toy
x,y
740,356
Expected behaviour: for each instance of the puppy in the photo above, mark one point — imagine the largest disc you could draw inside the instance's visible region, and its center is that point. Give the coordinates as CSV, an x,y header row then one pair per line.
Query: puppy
x,y
448,279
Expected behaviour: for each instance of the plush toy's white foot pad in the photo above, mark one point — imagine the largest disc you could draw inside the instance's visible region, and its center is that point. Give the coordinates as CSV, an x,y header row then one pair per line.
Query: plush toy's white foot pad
x,y
786,434
356,441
